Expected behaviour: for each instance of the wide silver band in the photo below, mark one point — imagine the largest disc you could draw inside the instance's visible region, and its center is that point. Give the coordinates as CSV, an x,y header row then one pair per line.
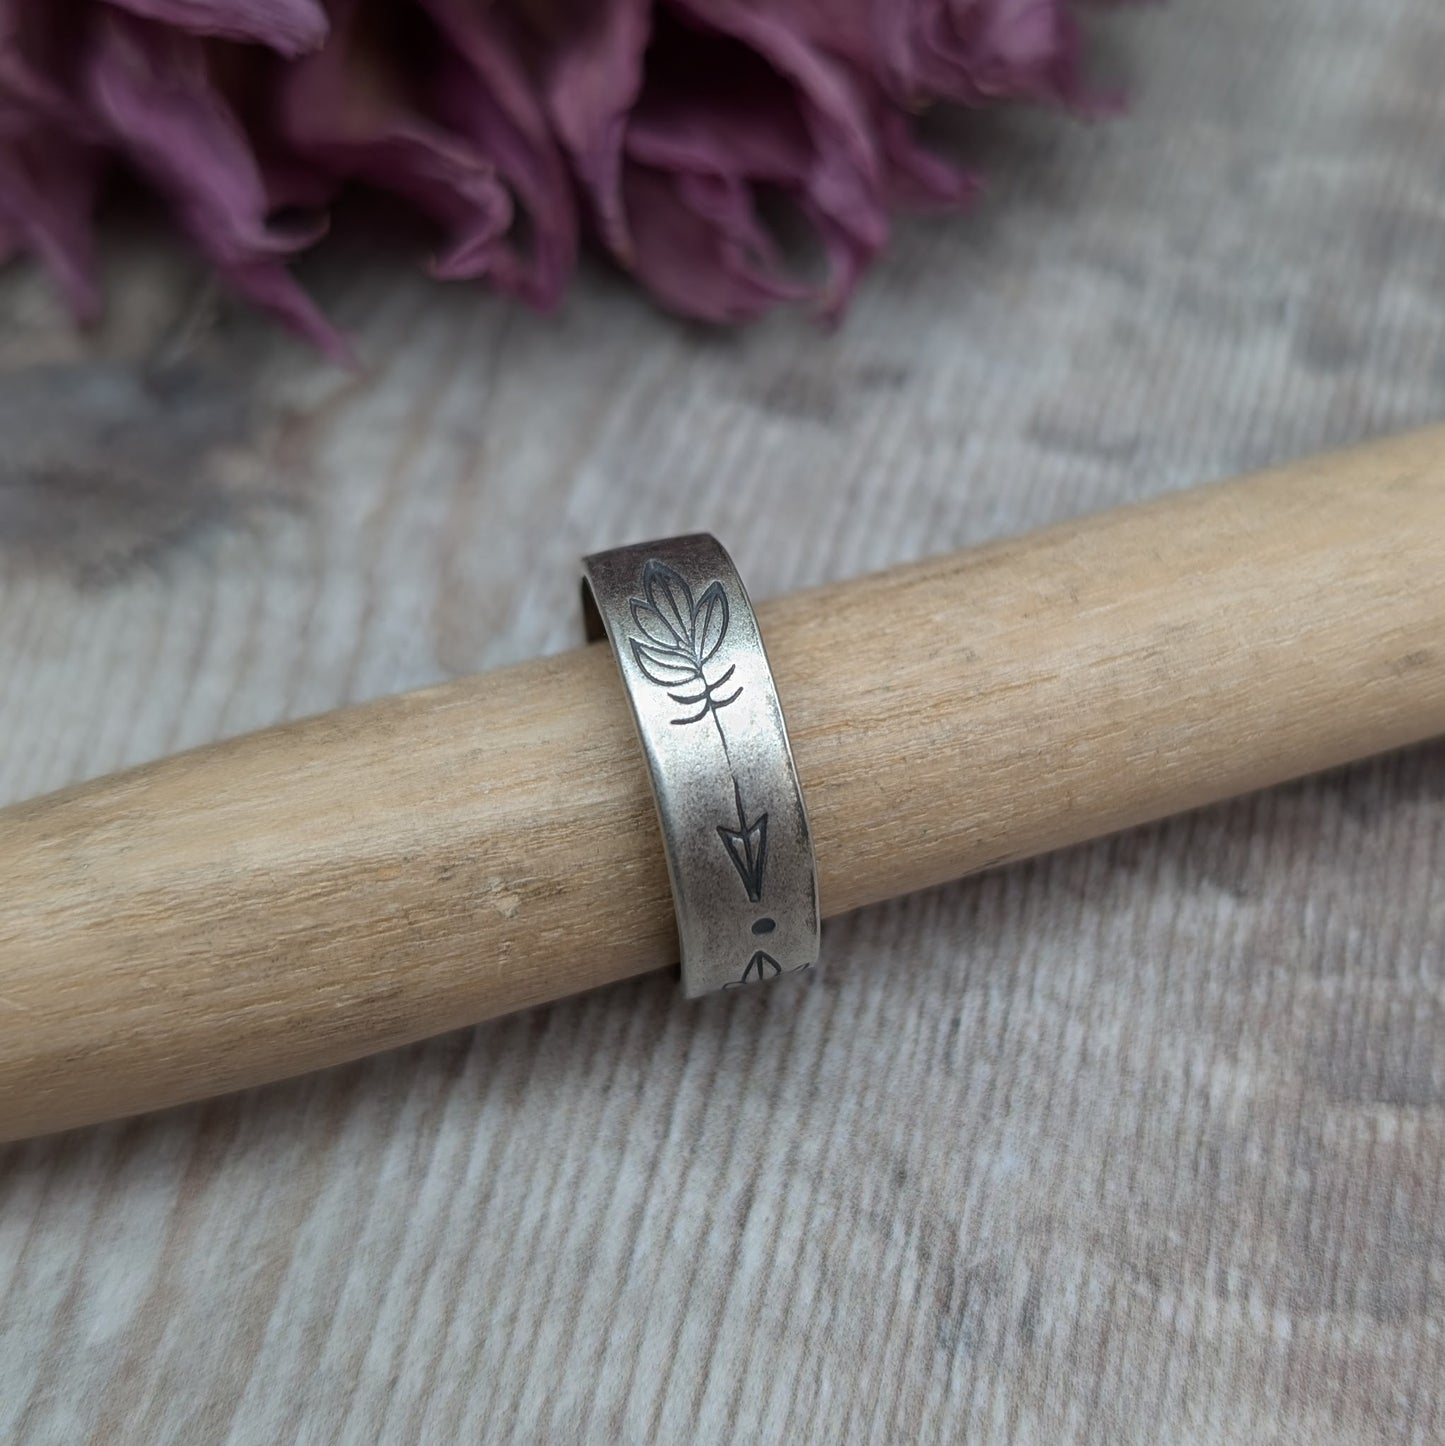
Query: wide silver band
x,y
735,832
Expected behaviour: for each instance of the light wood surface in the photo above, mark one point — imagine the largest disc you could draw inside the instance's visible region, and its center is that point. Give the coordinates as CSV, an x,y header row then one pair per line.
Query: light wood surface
x,y
1139,1142
334,887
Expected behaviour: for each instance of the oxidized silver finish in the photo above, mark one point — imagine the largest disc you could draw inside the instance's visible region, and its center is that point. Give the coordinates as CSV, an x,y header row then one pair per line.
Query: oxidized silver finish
x,y
744,882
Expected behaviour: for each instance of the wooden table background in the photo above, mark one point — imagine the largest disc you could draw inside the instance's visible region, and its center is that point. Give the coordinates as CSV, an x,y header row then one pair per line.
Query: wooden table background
x,y
1142,1142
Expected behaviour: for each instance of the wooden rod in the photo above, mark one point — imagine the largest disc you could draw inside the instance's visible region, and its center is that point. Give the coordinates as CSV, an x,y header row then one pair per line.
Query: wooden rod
x,y
312,893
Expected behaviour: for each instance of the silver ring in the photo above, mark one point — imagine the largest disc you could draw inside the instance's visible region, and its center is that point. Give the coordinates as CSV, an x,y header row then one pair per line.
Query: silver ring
x,y
744,881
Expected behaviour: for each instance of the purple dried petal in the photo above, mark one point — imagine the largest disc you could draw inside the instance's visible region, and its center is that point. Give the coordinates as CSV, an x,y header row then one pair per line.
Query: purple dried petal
x,y
736,97
825,90
694,127
488,95
695,153
1025,49
592,75
975,51
918,180
152,89
291,27
967,51
48,175
699,249
34,43
733,98
343,110
47,192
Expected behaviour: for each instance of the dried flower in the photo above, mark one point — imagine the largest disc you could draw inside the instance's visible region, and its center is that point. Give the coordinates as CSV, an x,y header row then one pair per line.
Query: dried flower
x,y
674,129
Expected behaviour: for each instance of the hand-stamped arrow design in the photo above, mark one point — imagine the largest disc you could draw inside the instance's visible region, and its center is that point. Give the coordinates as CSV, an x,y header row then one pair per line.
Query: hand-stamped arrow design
x,y
763,965
747,846
681,634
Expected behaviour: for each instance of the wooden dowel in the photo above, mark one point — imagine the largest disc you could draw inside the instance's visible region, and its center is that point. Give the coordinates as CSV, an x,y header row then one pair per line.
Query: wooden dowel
x,y
305,895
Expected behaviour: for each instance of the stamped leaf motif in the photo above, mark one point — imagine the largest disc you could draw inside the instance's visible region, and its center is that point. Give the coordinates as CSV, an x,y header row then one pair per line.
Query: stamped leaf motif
x,y
680,636
664,666
711,621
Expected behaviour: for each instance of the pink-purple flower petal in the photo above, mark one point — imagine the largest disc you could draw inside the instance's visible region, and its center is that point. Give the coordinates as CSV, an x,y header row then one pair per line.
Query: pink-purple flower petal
x,y
152,89
488,93
349,113
290,27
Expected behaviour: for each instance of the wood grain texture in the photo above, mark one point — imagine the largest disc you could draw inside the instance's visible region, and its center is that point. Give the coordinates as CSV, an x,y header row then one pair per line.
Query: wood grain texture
x,y
326,889
1140,1142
